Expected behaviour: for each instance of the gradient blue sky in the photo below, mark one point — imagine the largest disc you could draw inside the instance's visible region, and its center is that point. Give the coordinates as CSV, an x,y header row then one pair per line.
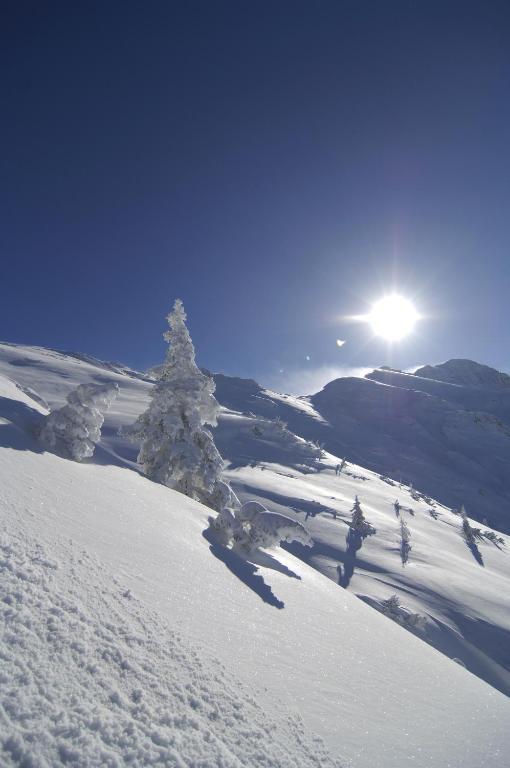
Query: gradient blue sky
x,y
277,165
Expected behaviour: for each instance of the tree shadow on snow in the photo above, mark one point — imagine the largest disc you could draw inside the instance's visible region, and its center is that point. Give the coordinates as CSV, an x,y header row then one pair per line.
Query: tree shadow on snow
x,y
309,508
345,560
473,548
354,540
245,571
268,561
105,456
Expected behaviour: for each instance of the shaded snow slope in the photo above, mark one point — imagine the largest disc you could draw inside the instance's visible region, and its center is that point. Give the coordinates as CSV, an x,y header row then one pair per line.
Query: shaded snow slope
x,y
449,438
490,401
459,456
118,621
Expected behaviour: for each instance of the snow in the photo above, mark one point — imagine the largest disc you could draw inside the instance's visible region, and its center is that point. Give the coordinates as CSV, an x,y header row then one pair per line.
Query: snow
x,y
450,440
467,604
317,675
91,677
398,427
466,372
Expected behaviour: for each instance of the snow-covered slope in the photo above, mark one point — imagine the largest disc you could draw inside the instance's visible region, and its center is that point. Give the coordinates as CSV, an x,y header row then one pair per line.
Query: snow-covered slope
x,y
457,455
466,373
155,644
450,439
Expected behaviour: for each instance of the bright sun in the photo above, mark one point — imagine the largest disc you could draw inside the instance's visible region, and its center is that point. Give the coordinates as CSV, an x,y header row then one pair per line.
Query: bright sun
x,y
393,317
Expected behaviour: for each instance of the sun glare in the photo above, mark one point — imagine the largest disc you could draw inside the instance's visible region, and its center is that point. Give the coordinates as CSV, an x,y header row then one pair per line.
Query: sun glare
x,y
393,317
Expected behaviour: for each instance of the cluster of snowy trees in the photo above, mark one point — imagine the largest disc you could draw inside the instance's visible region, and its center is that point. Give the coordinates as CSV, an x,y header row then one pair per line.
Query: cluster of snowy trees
x,y
74,430
178,450
176,447
360,528
300,452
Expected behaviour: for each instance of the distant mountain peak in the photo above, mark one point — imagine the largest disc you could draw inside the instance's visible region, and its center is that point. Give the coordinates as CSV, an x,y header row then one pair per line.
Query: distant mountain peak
x,y
466,373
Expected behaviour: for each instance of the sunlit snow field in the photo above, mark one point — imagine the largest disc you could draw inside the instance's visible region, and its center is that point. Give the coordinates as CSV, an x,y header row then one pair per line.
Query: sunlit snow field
x,y
130,636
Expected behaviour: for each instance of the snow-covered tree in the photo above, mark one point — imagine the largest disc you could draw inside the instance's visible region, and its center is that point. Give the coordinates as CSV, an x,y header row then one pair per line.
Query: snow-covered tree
x,y
395,611
359,524
251,526
75,429
390,606
467,530
405,539
267,529
176,448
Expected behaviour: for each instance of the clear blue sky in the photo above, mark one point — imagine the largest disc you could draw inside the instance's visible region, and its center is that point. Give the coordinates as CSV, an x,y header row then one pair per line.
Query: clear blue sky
x,y
277,165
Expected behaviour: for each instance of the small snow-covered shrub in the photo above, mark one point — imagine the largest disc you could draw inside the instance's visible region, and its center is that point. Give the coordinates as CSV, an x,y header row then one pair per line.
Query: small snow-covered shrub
x,y
251,526
75,429
268,529
395,611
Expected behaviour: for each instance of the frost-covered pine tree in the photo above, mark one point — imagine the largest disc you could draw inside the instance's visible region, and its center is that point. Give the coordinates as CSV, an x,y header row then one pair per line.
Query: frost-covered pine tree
x,y
359,524
177,449
75,429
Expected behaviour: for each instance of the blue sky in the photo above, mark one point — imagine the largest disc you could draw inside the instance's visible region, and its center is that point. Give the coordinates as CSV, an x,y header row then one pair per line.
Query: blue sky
x,y
277,165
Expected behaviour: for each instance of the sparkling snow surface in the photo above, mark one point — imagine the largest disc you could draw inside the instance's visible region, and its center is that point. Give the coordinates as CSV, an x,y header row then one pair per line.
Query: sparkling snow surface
x,y
130,638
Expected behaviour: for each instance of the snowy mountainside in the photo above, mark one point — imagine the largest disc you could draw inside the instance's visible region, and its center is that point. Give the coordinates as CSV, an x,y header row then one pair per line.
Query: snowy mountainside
x,y
467,373
130,638
464,603
490,400
457,455
450,440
